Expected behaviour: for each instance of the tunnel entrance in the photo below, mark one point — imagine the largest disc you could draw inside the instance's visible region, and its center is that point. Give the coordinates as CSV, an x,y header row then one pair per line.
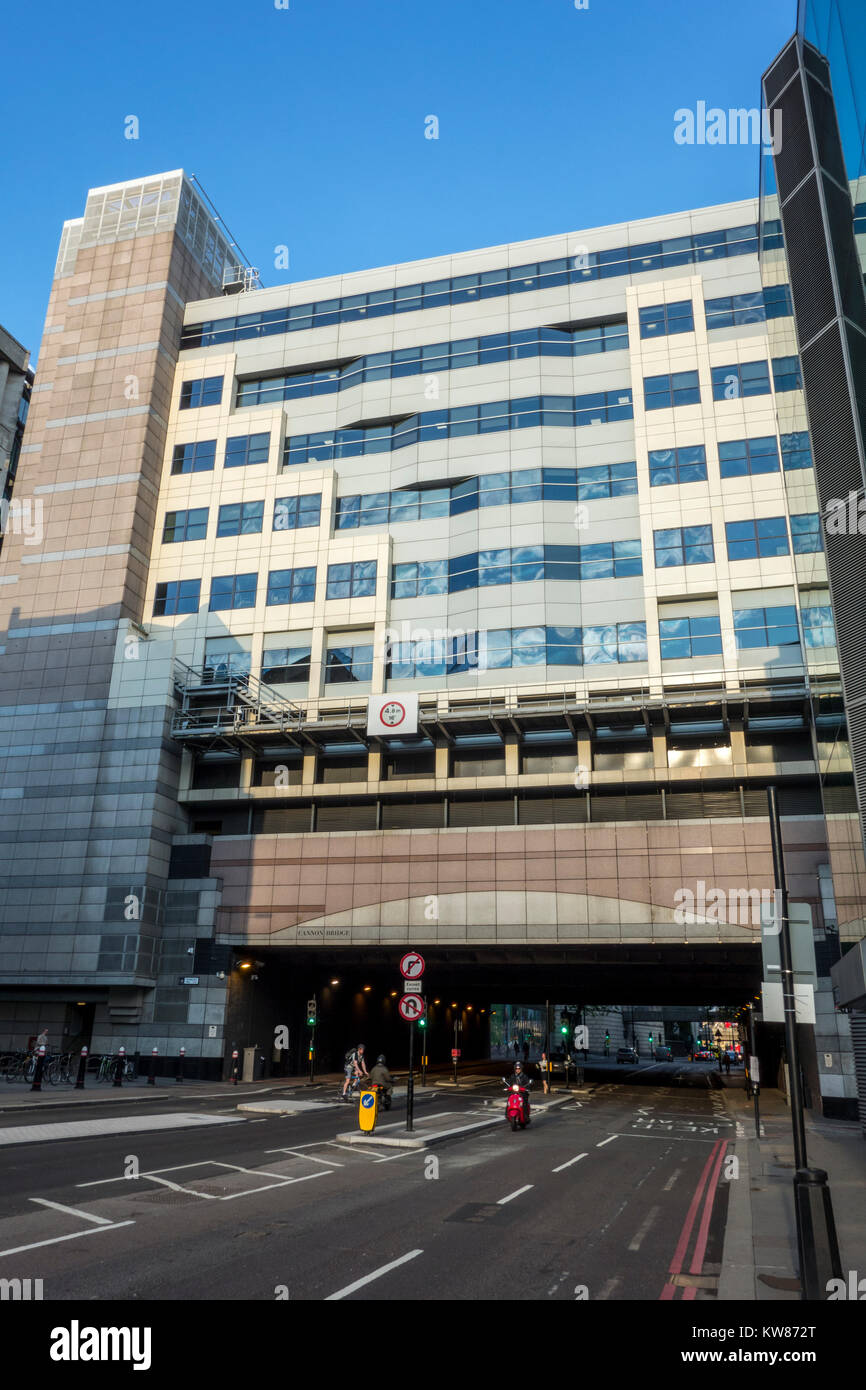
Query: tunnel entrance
x,y
357,991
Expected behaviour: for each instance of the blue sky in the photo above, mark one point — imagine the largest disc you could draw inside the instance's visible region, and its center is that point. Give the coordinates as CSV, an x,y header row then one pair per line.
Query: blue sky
x,y
306,125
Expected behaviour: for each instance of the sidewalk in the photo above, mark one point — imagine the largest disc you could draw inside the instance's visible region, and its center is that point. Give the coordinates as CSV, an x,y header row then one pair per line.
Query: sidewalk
x,y
20,1097
759,1262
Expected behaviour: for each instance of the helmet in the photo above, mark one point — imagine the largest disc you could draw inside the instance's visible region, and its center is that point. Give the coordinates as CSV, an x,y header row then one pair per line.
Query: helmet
x,y
380,1060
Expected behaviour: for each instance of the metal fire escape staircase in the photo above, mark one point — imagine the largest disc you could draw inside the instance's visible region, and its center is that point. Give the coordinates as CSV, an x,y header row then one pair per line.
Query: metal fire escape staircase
x,y
218,705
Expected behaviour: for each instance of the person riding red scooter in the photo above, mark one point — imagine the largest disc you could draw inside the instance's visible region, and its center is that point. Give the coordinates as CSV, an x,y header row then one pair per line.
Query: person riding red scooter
x,y
517,1105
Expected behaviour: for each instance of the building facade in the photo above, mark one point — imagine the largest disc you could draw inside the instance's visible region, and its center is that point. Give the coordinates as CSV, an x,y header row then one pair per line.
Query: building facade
x,y
559,493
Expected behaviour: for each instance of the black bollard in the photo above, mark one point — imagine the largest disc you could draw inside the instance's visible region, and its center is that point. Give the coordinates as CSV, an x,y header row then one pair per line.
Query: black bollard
x,y
235,1067
181,1056
40,1067
82,1068
151,1075
119,1065
817,1242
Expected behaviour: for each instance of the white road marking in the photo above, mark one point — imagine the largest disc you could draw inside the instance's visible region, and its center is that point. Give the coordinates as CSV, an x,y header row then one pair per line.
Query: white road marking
x,y
55,1240
154,1176
569,1163
368,1278
609,1287
645,1226
332,1162
671,1180
511,1196
607,1141
73,1211
130,1124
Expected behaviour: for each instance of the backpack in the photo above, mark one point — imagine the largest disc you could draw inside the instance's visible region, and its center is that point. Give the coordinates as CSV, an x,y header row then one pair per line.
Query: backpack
x,y
350,1055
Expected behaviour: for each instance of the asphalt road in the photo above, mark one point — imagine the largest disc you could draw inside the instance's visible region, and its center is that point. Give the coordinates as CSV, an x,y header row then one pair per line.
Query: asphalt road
x,y
599,1198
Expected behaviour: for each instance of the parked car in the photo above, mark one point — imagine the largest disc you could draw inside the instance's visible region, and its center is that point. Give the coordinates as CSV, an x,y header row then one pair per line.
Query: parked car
x,y
626,1054
664,1054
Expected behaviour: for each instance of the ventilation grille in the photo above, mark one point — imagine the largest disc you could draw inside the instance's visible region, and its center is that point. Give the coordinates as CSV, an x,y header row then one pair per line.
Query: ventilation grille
x,y
794,159
346,816
552,810
828,146
412,815
857,1019
482,812
808,261
781,72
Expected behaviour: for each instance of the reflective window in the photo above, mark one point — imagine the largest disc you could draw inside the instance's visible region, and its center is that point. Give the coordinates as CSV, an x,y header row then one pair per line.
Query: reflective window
x,y
796,450
185,526
684,545
466,289
207,390
766,627
242,449
663,319
689,637
757,538
349,664
773,302
194,458
740,457
292,586
285,665
176,596
294,513
786,373
806,533
818,626
240,518
599,407
502,648
740,379
666,392
352,580
684,465
232,591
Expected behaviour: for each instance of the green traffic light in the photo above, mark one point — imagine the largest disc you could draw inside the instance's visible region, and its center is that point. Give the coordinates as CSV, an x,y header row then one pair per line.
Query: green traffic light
x,y
564,1028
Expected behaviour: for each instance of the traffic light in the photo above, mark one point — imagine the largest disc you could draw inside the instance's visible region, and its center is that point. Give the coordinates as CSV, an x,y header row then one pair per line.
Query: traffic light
x,y
564,1024
650,1039
422,1023
607,1037
311,1013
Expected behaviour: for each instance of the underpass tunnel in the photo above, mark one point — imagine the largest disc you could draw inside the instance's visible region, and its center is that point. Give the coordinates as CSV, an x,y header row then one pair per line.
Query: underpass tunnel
x,y
357,992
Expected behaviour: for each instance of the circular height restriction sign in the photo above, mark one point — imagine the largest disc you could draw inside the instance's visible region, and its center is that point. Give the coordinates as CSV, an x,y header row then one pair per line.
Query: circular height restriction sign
x,y
412,966
393,714
411,1007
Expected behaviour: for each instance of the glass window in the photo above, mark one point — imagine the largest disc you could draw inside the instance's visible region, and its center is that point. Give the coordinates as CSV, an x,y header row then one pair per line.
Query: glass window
x,y
663,319
806,533
232,591
349,664
294,513
176,596
766,627
285,665
740,379
292,586
685,465
351,580
740,457
194,458
786,373
690,637
240,518
818,626
246,449
206,391
757,538
185,526
684,545
796,450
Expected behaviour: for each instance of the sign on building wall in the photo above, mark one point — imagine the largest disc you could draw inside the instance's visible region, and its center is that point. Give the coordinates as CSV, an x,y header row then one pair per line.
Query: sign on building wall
x,y
392,714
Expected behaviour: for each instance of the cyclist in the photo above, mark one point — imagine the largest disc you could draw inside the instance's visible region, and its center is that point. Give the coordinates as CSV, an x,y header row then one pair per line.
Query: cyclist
x,y
354,1066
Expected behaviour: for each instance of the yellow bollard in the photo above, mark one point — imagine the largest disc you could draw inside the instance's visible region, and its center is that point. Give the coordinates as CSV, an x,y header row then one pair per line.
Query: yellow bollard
x,y
368,1108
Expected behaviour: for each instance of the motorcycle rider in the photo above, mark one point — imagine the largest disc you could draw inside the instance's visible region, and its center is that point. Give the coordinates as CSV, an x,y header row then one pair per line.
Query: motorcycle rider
x,y
380,1076
519,1078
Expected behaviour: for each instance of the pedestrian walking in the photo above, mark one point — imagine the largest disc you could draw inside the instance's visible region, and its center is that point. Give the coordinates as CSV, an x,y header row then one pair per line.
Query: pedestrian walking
x,y
544,1067
728,1063
525,1050
516,1049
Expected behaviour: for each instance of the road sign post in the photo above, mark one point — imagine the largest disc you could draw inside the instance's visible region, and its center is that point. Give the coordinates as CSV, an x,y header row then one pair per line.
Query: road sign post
x,y
412,1007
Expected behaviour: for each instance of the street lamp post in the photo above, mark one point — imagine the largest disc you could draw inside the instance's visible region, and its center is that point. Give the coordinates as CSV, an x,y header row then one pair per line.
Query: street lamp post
x,y
817,1245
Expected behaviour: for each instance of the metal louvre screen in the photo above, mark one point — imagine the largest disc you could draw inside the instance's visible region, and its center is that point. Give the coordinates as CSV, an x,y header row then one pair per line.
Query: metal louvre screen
x,y
412,815
857,1019
498,811
705,805
641,806
568,809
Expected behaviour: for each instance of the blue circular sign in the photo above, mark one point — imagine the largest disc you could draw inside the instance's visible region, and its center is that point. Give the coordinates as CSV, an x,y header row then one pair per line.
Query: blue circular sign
x,y
367,1099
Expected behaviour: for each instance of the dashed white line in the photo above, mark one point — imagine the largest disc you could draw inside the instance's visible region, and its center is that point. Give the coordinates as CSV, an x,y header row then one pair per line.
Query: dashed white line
x,y
671,1180
609,1287
72,1211
644,1228
569,1163
607,1141
368,1278
511,1196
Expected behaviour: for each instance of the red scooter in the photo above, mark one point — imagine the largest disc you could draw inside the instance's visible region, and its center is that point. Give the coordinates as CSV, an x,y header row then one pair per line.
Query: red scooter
x,y
517,1105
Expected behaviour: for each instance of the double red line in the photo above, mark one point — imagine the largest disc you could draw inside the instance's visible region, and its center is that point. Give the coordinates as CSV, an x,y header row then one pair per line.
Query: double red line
x,y
706,1188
